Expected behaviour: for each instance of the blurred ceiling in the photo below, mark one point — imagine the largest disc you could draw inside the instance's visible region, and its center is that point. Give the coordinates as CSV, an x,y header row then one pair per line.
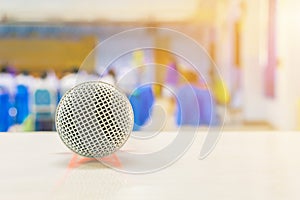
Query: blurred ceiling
x,y
101,10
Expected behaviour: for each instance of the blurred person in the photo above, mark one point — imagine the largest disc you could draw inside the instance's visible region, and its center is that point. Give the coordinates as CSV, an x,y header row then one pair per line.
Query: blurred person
x,y
195,106
219,87
8,81
172,77
85,77
109,78
221,94
138,58
23,99
237,100
46,81
52,79
74,78
128,79
69,81
12,70
24,78
171,83
195,103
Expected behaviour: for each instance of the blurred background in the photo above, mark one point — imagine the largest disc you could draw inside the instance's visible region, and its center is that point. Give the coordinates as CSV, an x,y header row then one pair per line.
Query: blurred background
x,y
252,43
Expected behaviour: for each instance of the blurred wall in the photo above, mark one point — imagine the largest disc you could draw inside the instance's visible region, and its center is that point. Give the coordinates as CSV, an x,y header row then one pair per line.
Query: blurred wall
x,y
253,49
288,71
38,54
160,40
282,110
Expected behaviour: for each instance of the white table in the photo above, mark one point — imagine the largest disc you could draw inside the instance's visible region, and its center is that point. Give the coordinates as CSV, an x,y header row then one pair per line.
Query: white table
x,y
244,165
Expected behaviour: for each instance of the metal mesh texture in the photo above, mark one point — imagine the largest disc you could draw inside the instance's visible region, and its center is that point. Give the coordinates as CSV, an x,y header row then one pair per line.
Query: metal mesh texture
x,y
94,119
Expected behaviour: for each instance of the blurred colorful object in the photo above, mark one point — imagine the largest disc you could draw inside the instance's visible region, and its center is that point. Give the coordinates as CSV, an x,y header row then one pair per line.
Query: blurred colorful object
x,y
195,107
172,74
141,101
43,109
221,92
138,58
28,124
22,103
270,69
4,110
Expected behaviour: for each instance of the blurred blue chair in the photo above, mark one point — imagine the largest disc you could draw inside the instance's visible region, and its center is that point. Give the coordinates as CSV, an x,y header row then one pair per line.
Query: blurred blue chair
x,y
141,101
42,97
43,109
58,96
195,107
22,103
4,109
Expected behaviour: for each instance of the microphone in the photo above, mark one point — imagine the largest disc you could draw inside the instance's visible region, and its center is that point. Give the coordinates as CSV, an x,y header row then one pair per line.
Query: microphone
x,y
94,119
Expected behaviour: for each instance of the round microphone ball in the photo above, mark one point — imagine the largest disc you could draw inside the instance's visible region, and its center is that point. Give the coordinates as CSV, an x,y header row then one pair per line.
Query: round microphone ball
x,y
94,119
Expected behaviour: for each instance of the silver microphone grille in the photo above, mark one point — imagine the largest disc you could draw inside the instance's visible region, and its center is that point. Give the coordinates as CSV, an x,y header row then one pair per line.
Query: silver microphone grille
x,y
94,119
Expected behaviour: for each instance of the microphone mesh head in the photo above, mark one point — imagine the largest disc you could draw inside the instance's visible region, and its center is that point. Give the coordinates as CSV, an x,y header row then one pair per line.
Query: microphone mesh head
x,y
94,119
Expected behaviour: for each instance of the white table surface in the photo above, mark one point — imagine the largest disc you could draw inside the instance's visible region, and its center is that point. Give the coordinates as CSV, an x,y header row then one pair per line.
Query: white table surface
x,y
244,165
